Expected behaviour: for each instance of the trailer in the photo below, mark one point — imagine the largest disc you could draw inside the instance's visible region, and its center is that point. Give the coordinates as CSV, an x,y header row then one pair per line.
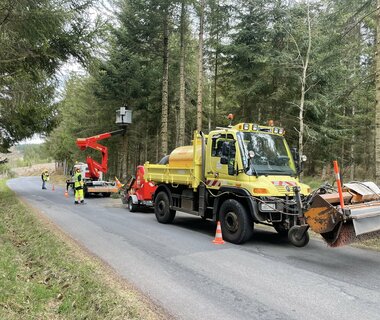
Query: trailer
x,y
138,193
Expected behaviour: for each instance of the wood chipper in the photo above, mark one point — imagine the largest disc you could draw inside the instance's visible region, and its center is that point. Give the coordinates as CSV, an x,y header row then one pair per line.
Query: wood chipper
x,y
351,214
138,192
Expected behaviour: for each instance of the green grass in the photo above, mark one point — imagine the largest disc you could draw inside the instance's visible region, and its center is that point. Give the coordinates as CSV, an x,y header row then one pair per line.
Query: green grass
x,y
42,277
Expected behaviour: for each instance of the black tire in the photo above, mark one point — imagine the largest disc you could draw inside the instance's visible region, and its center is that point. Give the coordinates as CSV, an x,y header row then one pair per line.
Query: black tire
x,y
281,230
295,239
106,194
131,206
237,224
86,194
162,208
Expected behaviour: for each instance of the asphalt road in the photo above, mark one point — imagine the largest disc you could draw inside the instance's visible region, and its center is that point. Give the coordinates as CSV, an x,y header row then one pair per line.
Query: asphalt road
x,y
180,268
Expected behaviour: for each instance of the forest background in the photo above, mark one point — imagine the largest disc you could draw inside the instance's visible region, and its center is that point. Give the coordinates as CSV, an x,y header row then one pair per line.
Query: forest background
x,y
185,65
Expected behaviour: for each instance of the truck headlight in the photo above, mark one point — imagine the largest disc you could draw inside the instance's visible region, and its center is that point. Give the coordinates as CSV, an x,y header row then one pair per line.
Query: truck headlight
x,y
268,207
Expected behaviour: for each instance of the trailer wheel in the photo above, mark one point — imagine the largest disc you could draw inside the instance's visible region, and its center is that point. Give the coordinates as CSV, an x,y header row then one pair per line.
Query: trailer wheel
x,y
162,208
131,206
106,194
295,238
237,224
86,194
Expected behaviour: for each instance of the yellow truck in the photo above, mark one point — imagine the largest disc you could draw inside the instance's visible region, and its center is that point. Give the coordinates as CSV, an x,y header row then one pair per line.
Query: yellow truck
x,y
245,175
241,175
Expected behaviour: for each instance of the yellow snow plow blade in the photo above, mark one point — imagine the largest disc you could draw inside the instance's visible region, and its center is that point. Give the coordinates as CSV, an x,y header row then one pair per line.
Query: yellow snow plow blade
x,y
359,220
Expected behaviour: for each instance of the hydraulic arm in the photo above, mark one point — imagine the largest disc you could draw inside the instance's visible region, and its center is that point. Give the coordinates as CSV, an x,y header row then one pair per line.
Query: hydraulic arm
x,y
95,167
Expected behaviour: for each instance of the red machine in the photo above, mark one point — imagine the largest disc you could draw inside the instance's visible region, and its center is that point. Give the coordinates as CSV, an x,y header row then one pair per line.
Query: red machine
x,y
138,191
93,171
92,142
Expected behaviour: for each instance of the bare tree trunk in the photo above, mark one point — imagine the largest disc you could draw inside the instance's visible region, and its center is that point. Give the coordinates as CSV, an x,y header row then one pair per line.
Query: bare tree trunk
x,y
200,66
305,65
129,159
176,119
343,149
259,114
377,145
216,77
146,141
352,150
165,85
182,106
124,158
157,147
209,116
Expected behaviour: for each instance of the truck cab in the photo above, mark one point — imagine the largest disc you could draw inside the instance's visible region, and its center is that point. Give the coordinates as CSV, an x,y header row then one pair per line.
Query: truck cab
x,y
251,155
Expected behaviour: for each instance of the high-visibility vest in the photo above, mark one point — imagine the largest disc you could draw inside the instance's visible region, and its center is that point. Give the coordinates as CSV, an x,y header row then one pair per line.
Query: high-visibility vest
x,y
78,181
45,176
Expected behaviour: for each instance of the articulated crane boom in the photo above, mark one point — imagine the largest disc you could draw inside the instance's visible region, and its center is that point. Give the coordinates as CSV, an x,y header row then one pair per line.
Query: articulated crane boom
x,y
92,172
95,167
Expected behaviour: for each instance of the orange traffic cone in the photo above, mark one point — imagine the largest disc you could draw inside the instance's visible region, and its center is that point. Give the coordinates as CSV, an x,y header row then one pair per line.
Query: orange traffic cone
x,y
218,235
118,183
52,188
66,194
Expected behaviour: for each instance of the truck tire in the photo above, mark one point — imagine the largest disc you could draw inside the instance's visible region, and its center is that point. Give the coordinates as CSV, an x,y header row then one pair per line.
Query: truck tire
x,y
106,194
131,206
237,224
162,208
86,194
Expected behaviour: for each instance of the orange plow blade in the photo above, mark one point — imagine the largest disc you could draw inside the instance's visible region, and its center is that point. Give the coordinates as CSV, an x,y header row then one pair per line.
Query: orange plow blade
x,y
358,220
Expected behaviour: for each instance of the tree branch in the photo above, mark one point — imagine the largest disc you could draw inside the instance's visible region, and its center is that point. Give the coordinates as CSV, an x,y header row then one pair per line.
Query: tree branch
x,y
360,20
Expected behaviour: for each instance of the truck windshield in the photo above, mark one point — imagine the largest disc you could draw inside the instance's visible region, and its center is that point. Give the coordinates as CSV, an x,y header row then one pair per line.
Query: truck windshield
x,y
270,154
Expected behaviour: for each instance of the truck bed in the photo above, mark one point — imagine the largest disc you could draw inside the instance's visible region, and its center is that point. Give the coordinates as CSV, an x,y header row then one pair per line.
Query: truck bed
x,y
184,167
177,175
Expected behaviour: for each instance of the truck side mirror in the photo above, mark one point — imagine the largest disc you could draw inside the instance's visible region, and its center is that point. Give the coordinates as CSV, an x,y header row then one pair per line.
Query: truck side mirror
x,y
295,154
299,161
302,160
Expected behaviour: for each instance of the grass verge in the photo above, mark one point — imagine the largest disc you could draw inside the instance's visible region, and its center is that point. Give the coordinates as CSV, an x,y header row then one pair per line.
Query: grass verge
x,y
43,277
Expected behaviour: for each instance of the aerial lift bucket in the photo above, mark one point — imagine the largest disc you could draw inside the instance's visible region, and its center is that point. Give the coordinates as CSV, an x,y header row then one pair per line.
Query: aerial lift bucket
x,y
351,214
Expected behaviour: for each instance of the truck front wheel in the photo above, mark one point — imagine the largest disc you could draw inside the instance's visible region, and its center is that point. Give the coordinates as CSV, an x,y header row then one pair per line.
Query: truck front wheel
x,y
162,208
131,206
237,225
